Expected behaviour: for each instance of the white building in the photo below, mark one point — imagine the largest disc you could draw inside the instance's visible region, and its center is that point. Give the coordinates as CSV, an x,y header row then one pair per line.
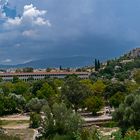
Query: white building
x,y
42,75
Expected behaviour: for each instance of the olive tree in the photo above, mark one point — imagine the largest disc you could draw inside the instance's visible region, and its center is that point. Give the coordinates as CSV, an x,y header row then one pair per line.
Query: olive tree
x,y
62,121
128,113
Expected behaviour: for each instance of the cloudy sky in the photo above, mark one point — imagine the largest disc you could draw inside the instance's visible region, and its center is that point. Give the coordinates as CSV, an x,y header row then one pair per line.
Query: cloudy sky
x,y
35,29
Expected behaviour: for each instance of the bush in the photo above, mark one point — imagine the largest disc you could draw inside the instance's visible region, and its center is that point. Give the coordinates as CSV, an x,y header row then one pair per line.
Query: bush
x,y
35,120
110,124
90,134
129,135
132,135
59,137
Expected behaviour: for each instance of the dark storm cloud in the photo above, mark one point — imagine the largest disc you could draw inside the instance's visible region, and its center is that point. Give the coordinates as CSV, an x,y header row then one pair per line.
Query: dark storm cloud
x,y
98,28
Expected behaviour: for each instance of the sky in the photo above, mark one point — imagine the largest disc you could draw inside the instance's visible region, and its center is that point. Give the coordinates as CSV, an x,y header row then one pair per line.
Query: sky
x,y
37,29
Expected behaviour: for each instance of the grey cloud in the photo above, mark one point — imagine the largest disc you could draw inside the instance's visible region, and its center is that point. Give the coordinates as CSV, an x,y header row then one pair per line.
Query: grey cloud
x,y
79,27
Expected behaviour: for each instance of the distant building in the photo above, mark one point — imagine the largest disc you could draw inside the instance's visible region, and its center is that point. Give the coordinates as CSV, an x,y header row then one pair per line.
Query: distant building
x,y
42,75
127,61
134,53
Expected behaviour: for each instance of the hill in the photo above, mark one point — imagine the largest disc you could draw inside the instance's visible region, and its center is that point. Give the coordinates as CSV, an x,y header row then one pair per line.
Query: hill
x,y
76,61
123,67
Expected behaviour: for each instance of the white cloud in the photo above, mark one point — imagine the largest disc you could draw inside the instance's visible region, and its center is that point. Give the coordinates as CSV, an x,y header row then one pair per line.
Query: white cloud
x,y
13,22
40,21
31,11
29,33
31,17
7,60
27,61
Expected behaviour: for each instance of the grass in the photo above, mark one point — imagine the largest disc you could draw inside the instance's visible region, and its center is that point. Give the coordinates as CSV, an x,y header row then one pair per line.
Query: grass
x,y
110,124
6,137
13,122
23,134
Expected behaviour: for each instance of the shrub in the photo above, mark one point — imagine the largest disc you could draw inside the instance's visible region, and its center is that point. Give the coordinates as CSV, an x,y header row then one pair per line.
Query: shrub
x,y
35,120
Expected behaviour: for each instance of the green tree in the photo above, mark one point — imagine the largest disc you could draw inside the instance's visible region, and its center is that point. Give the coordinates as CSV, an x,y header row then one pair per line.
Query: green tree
x,y
9,106
60,67
2,108
131,86
20,101
47,92
35,120
62,121
94,104
58,83
35,104
21,88
88,83
113,88
128,113
15,79
96,65
37,85
74,92
1,79
7,87
137,76
117,99
99,87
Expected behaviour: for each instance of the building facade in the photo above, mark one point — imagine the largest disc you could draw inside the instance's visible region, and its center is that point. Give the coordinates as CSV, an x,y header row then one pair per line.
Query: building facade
x,y
42,75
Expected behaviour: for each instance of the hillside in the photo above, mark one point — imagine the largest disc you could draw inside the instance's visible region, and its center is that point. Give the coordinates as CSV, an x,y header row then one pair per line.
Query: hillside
x,y
76,61
121,68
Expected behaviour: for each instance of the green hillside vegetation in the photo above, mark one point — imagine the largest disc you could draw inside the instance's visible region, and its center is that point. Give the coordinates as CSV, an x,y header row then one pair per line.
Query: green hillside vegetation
x,y
121,69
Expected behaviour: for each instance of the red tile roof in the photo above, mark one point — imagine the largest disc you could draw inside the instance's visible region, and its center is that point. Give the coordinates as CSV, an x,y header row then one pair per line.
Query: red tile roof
x,y
43,73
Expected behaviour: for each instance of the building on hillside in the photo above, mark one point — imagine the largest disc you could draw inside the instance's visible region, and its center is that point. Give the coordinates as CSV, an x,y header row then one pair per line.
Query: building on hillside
x,y
135,53
127,61
42,75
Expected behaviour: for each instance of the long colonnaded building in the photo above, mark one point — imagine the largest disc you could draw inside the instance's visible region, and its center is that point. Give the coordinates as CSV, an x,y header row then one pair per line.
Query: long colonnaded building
x,y
42,75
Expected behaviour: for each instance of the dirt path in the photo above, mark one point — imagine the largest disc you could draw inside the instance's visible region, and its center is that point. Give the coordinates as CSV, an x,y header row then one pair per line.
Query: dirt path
x,y
35,134
15,117
17,126
24,134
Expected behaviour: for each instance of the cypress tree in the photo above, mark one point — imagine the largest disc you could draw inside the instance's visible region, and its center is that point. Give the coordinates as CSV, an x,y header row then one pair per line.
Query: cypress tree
x,y
96,65
60,68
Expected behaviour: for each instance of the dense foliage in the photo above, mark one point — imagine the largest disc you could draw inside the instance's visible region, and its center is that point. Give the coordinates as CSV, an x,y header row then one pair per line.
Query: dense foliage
x,y
61,121
128,113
